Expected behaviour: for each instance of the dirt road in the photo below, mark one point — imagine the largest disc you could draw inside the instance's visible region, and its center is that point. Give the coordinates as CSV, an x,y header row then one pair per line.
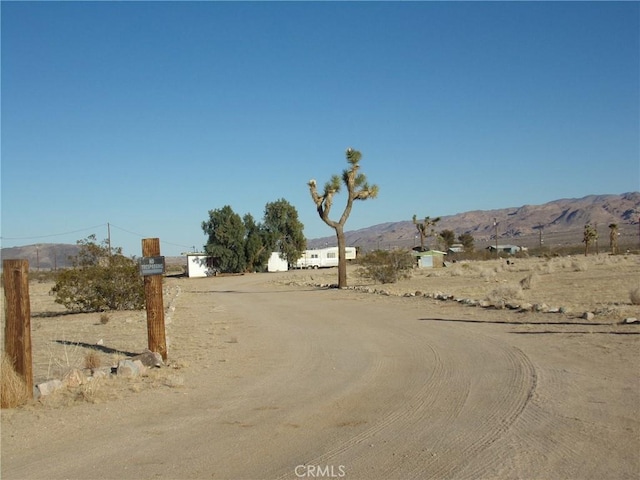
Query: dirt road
x,y
296,382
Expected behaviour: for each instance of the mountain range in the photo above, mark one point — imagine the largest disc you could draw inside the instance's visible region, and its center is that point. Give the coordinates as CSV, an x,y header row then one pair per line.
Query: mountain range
x,y
557,223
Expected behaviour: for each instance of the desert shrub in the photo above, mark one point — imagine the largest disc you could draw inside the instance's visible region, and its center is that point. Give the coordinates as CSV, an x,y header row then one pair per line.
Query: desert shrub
x,y
505,293
104,319
578,265
99,281
13,391
487,273
634,296
383,266
529,281
92,360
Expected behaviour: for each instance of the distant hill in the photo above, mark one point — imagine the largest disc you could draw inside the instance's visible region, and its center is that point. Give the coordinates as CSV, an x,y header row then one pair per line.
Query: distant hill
x,y
45,256
556,223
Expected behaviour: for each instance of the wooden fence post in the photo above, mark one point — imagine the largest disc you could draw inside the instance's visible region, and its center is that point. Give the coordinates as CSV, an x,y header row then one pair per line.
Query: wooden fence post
x,y
17,327
154,304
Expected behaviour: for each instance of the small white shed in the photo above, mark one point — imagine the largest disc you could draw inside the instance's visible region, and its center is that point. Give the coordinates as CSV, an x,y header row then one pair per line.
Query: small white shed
x,y
199,265
277,264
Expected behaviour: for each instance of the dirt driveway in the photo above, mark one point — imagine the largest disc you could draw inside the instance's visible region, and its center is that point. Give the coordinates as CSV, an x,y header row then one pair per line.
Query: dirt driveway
x,y
271,380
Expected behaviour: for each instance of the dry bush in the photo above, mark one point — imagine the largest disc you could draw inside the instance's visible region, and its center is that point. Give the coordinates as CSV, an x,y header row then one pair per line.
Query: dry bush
x,y
12,388
505,293
578,265
92,360
529,281
487,273
634,296
104,319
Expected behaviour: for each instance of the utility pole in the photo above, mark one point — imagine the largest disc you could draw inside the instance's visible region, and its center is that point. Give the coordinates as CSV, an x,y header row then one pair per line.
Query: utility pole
x,y
109,237
495,224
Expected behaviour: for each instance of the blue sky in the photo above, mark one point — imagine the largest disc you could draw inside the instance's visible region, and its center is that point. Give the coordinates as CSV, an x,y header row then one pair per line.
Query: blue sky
x,y
147,115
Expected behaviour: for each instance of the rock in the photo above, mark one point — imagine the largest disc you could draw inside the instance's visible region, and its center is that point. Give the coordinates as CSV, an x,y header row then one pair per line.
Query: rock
x,y
512,306
126,368
418,293
47,388
630,320
565,310
149,359
541,307
588,315
553,310
485,304
526,307
142,370
102,372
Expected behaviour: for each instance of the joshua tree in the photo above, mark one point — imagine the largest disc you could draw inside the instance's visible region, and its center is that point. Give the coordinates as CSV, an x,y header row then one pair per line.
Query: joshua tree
x,y
357,189
425,229
590,235
613,238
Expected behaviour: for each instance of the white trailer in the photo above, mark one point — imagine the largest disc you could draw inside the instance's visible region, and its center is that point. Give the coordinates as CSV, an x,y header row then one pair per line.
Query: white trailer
x,y
277,264
200,265
323,257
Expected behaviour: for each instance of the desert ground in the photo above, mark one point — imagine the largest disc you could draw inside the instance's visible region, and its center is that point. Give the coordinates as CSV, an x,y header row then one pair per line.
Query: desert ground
x,y
277,376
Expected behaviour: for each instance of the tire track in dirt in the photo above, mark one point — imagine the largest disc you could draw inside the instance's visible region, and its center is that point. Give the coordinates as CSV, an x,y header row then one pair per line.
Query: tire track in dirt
x,y
449,411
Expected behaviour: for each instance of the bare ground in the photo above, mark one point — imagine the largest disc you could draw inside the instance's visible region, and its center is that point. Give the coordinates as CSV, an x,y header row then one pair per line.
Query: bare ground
x,y
272,376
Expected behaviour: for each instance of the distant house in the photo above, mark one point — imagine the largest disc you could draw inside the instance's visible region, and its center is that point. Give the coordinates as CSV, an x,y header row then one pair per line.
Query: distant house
x,y
508,249
200,265
277,264
429,259
456,248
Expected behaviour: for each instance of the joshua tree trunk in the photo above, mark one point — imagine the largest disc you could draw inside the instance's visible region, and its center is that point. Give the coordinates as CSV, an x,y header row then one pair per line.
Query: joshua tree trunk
x,y
342,258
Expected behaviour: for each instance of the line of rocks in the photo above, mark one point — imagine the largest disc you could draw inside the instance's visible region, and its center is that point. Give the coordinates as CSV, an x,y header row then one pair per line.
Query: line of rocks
x,y
127,368
498,305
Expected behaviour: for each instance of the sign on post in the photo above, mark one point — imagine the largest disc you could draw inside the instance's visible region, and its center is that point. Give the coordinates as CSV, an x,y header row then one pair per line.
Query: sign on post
x,y
151,266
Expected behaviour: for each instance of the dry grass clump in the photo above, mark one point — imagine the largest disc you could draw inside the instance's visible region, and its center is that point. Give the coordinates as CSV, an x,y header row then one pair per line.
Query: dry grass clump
x,y
104,319
529,281
634,296
92,360
505,293
12,388
578,265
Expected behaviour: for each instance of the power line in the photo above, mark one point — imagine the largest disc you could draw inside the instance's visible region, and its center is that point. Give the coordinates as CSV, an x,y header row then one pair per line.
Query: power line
x,y
145,236
53,234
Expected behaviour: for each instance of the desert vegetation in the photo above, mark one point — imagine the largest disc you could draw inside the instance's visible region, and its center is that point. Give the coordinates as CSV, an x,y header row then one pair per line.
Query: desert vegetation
x,y
100,279
357,189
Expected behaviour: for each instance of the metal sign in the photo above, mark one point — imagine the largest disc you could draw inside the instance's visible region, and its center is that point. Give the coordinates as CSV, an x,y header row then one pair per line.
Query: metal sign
x,y
151,266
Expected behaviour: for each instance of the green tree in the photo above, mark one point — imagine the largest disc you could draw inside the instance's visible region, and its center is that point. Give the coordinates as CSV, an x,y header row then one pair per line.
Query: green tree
x,y
285,229
466,239
99,280
226,239
425,229
448,238
257,244
357,189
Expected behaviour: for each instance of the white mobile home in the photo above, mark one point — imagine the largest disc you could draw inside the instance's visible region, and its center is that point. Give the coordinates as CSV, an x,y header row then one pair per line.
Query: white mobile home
x,y
277,264
323,257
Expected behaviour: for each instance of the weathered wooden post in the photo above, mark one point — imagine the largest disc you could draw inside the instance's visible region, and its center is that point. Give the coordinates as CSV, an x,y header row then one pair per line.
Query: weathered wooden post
x,y
17,327
152,268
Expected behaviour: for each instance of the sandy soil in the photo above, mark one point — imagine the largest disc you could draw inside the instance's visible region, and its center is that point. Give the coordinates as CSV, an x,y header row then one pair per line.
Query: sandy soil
x,y
272,376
